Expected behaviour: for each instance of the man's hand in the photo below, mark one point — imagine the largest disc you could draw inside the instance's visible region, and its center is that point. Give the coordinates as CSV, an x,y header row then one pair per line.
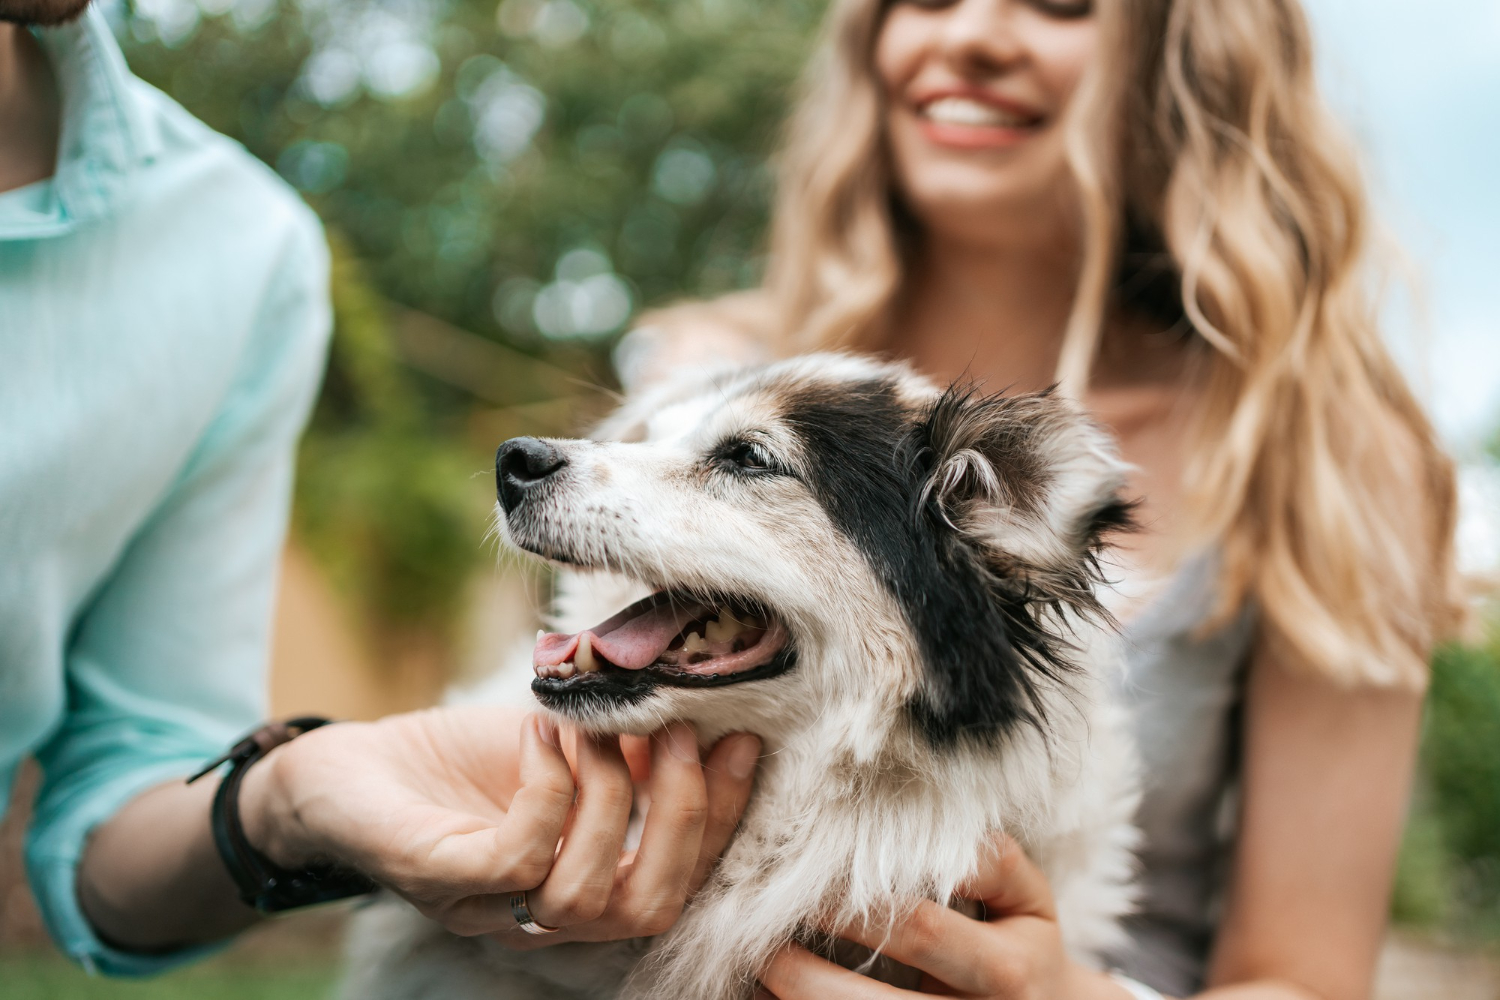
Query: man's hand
x,y
456,808
597,893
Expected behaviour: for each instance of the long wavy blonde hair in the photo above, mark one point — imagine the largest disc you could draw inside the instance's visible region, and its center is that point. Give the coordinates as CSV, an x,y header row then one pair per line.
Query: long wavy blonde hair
x,y
1199,142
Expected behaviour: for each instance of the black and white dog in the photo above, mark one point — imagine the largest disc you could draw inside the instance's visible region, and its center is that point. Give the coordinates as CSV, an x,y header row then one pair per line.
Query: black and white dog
x,y
896,588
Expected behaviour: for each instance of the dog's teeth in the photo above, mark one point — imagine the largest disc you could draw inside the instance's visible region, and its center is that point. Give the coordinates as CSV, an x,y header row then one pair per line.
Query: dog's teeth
x,y
694,643
584,659
721,630
539,633
565,670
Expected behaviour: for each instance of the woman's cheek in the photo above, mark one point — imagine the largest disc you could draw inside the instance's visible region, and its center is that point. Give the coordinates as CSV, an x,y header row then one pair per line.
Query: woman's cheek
x,y
1063,55
898,48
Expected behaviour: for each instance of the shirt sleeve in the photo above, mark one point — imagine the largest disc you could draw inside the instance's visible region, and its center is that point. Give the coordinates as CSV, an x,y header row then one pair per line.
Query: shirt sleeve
x,y
167,665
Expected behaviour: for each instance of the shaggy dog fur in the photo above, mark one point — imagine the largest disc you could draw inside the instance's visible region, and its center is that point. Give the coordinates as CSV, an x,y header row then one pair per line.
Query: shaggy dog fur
x,y
929,663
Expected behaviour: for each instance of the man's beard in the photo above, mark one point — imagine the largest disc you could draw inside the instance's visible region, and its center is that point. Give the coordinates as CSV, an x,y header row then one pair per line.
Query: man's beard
x,y
43,13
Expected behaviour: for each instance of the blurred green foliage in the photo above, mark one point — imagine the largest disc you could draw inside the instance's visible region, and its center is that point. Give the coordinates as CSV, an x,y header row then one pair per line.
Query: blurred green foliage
x,y
526,176
386,498
50,977
1449,875
463,150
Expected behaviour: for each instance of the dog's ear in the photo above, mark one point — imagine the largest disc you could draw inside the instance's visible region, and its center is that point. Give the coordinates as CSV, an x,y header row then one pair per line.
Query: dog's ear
x,y
1030,479
1017,495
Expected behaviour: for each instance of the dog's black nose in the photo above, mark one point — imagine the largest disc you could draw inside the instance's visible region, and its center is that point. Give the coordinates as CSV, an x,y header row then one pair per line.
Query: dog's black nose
x,y
522,463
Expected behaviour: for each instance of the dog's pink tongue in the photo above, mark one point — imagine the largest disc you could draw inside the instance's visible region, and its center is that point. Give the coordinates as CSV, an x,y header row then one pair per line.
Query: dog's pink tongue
x,y
634,638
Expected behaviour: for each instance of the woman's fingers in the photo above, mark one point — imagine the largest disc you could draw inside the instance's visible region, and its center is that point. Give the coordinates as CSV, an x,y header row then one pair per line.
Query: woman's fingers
x,y
578,888
970,956
729,773
658,883
1009,884
946,945
798,974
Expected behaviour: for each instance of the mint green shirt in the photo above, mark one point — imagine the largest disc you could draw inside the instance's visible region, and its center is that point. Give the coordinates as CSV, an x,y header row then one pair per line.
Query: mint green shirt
x,y
163,322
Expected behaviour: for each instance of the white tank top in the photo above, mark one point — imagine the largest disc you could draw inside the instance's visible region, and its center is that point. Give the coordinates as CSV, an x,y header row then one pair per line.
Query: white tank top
x,y
1185,691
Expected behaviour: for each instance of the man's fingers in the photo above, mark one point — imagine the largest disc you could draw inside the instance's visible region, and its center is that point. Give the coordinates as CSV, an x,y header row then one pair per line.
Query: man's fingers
x,y
797,974
465,878
673,835
472,915
1009,884
637,751
729,773
578,888
517,853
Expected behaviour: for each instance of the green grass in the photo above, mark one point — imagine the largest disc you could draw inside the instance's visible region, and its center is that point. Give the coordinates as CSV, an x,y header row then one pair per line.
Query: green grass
x,y
49,977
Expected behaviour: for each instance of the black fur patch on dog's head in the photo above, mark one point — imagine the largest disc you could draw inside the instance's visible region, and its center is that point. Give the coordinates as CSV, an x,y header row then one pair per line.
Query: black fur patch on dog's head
x,y
908,488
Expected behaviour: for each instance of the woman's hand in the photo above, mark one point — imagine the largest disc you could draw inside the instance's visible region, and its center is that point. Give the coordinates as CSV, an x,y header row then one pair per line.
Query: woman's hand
x,y
442,808
1015,954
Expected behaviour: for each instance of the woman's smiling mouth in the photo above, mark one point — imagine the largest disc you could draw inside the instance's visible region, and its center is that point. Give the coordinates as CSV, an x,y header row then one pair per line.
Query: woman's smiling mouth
x,y
975,120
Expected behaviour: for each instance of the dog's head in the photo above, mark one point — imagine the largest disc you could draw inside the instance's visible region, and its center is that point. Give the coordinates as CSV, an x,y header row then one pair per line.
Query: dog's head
x,y
828,537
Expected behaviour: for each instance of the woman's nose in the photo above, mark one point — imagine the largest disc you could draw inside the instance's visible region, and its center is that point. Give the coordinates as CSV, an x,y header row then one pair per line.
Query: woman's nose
x,y
980,36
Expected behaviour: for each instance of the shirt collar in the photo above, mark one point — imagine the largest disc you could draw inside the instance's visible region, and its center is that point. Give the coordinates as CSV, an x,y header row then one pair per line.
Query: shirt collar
x,y
106,134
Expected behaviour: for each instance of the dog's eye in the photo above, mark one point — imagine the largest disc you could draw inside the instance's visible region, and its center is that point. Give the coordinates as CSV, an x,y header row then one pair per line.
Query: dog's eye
x,y
745,456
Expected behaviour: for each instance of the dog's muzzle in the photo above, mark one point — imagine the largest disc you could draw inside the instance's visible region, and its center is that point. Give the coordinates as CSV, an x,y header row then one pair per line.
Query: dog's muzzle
x,y
521,465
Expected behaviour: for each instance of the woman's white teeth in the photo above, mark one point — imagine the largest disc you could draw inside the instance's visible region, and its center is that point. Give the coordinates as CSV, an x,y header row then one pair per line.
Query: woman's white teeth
x,y
967,111
584,658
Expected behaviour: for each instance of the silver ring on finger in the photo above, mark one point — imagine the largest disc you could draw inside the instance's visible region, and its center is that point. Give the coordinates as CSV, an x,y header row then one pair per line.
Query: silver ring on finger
x,y
524,919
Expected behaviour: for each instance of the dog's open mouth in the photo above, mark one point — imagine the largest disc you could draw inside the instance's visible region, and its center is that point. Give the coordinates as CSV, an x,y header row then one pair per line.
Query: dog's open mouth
x,y
667,638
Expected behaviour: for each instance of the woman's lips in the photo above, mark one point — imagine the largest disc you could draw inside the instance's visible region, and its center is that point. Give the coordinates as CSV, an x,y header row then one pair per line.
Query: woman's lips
x,y
972,136
971,119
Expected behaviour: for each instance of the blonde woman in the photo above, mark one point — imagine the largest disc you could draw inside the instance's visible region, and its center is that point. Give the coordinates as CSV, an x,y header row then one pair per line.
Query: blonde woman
x,y
1146,199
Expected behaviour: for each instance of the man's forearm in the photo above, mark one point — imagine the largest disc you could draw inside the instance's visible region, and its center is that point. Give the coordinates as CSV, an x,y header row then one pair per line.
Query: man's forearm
x,y
151,879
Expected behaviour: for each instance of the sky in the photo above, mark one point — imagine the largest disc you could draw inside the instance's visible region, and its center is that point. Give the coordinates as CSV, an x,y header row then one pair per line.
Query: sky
x,y
1419,83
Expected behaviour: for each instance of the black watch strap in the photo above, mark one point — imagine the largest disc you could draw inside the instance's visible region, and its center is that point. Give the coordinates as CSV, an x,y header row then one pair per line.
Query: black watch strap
x,y
264,884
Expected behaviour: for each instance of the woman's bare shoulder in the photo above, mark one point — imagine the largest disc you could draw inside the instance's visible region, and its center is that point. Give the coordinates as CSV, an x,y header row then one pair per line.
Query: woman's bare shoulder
x,y
730,331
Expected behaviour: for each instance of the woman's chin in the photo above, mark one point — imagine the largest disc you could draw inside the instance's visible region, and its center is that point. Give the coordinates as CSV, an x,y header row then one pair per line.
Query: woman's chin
x,y
984,211
982,196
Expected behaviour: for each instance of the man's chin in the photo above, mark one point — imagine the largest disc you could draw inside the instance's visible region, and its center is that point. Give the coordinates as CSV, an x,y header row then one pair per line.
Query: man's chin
x,y
42,13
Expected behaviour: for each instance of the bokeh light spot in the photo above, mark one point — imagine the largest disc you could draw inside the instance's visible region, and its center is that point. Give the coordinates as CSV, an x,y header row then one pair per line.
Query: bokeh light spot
x,y
683,175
